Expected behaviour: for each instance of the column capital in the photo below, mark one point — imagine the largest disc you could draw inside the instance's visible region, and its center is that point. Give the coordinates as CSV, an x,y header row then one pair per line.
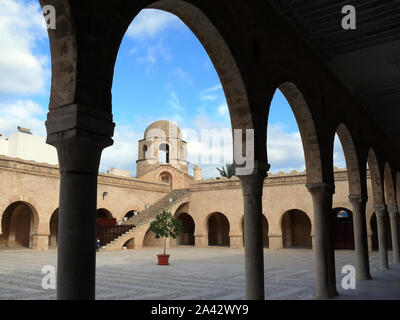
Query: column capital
x,y
358,199
79,133
252,184
318,187
380,210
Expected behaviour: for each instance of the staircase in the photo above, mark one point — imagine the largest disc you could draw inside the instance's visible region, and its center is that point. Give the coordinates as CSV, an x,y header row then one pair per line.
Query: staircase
x,y
142,221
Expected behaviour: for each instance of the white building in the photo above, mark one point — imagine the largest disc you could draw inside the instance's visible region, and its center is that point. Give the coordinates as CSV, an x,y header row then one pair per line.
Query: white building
x,y
24,145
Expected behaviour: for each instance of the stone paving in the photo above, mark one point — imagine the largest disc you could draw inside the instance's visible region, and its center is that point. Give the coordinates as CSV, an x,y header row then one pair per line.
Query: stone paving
x,y
194,274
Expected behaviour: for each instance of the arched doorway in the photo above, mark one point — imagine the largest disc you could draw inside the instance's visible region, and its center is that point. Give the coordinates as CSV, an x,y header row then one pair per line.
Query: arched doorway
x,y
53,229
18,224
343,228
130,214
296,229
218,230
374,238
104,213
186,236
265,230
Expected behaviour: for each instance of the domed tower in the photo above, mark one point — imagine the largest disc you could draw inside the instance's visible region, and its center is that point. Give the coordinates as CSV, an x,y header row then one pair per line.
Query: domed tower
x,y
162,144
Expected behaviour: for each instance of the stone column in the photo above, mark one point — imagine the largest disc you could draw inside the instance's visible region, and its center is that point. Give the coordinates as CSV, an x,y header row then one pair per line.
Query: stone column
x,y
381,216
360,237
321,194
80,134
252,188
394,227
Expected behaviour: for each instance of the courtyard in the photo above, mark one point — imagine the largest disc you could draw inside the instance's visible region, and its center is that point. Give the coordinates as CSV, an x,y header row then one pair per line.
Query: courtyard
x,y
213,273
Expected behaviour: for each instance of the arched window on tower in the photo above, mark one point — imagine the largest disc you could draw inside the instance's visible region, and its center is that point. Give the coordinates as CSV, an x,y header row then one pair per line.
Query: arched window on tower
x,y
145,152
182,153
164,153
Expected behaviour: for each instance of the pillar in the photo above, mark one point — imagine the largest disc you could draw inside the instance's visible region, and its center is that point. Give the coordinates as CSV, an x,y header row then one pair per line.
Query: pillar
x,y
252,189
80,134
394,227
321,194
360,237
381,216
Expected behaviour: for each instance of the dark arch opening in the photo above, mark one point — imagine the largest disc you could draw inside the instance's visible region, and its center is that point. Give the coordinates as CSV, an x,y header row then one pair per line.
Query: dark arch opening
x,y
218,230
53,229
265,230
130,214
186,236
18,225
343,228
104,213
296,230
374,237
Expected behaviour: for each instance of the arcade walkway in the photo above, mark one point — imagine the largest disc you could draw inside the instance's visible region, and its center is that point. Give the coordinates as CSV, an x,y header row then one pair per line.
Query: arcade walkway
x,y
209,273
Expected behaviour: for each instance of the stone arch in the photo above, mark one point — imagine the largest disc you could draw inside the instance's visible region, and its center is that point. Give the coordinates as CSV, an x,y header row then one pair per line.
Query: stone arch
x,y
389,186
296,229
308,132
104,213
53,226
343,228
128,213
218,228
398,188
219,53
164,149
149,239
265,230
130,244
20,221
165,177
186,236
145,152
376,181
351,158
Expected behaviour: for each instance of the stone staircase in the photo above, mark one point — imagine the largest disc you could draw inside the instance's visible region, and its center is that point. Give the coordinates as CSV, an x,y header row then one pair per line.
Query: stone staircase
x,y
142,221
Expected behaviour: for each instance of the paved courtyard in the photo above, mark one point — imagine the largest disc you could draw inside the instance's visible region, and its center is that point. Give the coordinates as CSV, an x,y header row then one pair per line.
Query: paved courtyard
x,y
194,273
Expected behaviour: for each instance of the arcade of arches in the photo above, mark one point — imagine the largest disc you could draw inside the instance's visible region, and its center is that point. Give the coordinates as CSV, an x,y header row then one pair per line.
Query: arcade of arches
x,y
255,50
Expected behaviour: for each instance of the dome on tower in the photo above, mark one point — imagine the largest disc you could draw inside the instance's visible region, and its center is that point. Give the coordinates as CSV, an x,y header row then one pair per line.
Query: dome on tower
x,y
168,128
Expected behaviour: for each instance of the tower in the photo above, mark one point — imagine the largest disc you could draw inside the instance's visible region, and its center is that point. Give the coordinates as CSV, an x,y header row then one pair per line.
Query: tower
x,y
162,144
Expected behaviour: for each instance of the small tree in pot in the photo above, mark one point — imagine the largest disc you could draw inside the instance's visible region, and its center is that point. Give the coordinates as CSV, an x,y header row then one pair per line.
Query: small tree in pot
x,y
165,226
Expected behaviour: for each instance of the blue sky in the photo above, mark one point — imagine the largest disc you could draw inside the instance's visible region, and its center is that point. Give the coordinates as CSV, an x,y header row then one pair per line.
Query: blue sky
x,y
162,72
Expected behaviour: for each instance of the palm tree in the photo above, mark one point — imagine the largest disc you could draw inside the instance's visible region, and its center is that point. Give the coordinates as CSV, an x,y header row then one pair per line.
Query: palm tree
x,y
227,172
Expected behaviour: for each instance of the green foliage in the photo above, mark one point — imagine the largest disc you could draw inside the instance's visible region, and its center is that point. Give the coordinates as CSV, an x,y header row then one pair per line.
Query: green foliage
x,y
165,226
227,172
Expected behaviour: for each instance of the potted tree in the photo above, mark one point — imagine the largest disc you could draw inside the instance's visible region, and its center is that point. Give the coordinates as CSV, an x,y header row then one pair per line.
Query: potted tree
x,y
165,226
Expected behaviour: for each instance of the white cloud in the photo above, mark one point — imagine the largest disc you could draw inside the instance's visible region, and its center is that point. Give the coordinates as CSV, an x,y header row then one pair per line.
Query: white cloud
x,y
211,94
174,102
285,149
21,26
151,22
153,53
124,152
25,113
183,76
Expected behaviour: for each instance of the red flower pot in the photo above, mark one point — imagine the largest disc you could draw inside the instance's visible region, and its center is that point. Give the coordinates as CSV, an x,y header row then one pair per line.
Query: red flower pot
x,y
163,259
